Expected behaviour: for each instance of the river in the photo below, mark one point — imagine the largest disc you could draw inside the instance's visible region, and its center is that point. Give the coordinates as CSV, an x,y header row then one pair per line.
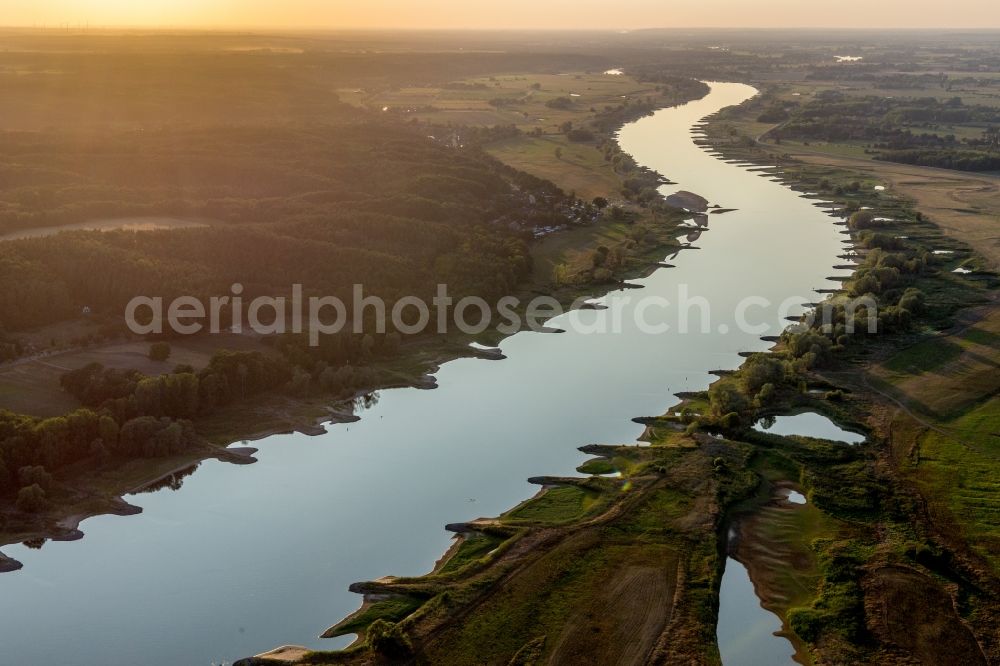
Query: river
x,y
241,559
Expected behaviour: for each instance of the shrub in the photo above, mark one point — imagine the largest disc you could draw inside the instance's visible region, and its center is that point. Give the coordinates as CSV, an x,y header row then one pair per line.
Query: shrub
x,y
580,135
31,499
862,219
387,639
602,275
912,300
725,399
35,475
809,342
731,421
765,395
867,284
159,351
806,623
871,239
761,369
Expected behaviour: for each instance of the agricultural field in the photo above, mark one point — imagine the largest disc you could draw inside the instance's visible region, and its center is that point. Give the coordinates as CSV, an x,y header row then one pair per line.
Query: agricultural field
x,y
539,105
520,99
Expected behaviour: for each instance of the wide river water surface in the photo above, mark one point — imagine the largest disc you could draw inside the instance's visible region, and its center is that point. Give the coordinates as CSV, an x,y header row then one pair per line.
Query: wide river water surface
x,y
242,559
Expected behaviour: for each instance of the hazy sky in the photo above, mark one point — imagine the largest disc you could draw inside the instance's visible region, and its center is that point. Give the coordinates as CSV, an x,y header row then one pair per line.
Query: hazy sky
x,y
505,13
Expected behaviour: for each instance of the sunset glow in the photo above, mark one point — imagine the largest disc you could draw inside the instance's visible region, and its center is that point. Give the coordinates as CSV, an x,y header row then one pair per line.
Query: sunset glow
x,y
241,240
554,14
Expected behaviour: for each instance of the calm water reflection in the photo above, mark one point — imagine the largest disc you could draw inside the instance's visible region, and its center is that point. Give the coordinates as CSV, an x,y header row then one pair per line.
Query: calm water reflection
x,y
746,630
809,424
244,558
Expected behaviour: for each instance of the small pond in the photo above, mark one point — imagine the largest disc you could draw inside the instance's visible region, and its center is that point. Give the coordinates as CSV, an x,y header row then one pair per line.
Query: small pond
x,y
746,630
808,424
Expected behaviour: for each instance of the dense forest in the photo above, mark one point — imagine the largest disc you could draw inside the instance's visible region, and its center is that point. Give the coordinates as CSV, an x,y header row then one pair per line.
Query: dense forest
x,y
359,201
288,186
296,187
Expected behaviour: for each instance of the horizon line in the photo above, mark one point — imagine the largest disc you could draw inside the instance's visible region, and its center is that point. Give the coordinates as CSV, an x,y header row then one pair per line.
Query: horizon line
x,y
334,29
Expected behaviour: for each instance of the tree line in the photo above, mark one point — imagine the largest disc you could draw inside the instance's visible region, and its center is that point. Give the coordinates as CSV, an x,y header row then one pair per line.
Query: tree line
x,y
894,129
126,415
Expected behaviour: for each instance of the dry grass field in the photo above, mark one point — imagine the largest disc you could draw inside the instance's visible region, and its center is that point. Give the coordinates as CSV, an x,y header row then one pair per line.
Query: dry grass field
x,y
964,205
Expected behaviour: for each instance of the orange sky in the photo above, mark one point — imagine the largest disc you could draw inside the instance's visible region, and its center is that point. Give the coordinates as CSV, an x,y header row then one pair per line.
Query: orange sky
x,y
485,14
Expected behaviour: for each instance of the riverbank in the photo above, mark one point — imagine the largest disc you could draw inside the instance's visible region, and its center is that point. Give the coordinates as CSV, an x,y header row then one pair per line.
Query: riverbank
x,y
820,604
390,478
902,422
269,414
637,238
401,459
689,506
